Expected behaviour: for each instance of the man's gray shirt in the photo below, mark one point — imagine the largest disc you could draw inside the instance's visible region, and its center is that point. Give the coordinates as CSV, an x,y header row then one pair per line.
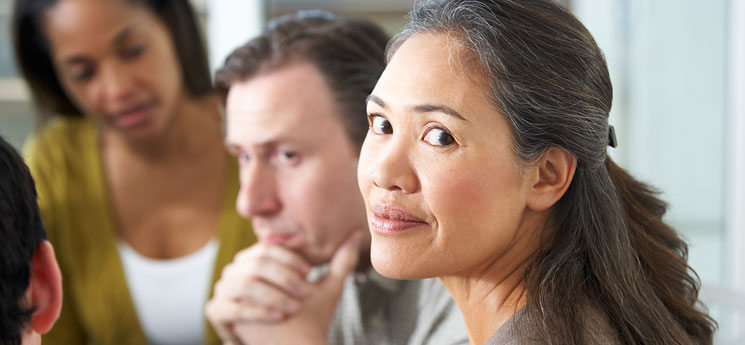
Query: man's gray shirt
x,y
375,310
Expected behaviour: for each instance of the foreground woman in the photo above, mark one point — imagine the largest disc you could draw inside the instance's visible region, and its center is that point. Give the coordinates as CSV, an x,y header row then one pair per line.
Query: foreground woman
x,y
486,166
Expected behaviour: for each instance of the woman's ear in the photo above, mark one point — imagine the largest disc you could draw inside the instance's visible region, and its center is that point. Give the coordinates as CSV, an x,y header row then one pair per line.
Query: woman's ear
x,y
45,288
551,176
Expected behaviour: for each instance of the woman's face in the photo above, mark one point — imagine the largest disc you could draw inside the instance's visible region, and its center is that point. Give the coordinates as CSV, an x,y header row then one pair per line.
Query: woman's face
x,y
443,189
117,62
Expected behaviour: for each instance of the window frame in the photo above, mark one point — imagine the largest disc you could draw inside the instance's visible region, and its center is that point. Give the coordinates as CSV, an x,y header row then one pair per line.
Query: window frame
x,y
12,89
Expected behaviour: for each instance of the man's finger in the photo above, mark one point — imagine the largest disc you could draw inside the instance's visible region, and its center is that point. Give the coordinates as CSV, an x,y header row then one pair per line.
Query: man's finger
x,y
222,313
238,277
274,253
260,294
224,329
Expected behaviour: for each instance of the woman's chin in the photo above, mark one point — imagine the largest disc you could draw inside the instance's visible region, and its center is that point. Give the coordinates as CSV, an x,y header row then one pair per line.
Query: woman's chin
x,y
388,263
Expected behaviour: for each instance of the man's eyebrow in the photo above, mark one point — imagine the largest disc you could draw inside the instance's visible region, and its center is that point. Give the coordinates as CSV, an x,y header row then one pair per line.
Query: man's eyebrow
x,y
232,147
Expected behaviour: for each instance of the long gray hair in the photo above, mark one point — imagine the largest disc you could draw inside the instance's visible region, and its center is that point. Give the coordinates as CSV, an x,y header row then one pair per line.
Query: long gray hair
x,y
608,245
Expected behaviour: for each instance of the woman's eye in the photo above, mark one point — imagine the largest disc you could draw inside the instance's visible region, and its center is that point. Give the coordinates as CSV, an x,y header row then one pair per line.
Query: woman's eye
x,y
380,125
83,74
133,52
439,137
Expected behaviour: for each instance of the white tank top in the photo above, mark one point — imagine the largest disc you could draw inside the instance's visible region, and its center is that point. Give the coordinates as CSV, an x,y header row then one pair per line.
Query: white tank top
x,y
169,295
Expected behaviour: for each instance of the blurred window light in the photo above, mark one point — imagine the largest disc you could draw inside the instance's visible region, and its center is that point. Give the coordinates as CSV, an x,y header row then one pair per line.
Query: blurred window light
x,y
678,69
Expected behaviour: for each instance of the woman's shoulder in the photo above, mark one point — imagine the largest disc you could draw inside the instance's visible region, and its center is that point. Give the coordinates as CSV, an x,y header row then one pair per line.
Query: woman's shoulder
x,y
61,129
522,329
62,153
59,136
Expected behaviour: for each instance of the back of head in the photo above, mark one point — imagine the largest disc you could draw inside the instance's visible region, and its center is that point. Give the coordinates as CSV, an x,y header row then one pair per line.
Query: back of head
x,y
349,53
34,58
21,231
608,246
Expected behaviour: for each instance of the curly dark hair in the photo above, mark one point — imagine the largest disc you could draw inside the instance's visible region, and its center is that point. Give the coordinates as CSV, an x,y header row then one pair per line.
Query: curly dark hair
x,y
21,231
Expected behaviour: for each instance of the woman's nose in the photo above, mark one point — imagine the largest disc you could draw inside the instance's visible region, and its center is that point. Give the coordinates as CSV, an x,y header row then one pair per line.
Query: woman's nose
x,y
117,83
392,169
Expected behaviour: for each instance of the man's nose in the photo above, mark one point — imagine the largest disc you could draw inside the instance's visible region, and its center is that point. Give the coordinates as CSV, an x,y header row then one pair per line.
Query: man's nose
x,y
258,193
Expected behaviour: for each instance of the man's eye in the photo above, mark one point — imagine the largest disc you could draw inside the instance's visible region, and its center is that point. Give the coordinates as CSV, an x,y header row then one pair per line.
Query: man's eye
x,y
288,154
288,157
439,137
380,125
244,157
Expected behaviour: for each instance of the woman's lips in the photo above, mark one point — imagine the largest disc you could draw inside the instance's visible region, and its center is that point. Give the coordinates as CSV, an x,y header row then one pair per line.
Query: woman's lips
x,y
134,116
391,219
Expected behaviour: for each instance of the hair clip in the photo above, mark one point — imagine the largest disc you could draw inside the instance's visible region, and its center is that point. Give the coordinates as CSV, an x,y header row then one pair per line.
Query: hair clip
x,y
612,140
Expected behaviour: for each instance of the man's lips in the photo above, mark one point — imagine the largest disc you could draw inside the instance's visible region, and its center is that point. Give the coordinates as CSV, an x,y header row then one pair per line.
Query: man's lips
x,y
280,239
391,219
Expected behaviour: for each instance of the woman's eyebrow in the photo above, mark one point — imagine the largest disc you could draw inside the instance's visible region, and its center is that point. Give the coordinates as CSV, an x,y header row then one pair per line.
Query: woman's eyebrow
x,y
122,36
422,108
119,39
376,100
437,108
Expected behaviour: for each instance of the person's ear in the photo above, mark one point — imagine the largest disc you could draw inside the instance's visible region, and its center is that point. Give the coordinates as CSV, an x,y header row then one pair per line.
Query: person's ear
x,y
551,176
45,288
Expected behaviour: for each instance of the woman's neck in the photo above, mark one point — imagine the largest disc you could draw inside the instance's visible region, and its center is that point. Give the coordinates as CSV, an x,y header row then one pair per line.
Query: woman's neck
x,y
486,300
489,294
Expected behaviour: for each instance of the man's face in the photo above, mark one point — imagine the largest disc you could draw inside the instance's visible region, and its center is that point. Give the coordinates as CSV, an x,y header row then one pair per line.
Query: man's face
x,y
297,164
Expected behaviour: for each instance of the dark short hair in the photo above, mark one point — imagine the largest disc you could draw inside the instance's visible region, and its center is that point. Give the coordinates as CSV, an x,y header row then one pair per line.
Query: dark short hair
x,y
21,231
349,53
35,61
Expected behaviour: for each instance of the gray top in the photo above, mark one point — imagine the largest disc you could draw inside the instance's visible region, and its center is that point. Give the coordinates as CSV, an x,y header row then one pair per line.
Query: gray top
x,y
521,330
377,310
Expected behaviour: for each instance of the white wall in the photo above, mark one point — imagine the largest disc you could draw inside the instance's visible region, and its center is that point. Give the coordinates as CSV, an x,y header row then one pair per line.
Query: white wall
x,y
607,20
678,68
736,178
230,23
668,63
678,106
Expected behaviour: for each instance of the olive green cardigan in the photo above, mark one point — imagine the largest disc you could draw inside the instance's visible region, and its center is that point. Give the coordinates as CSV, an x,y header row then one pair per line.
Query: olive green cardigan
x,y
65,161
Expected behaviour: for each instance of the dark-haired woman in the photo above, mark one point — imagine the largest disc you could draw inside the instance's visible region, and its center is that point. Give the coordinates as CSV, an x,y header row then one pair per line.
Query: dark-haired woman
x,y
486,165
135,187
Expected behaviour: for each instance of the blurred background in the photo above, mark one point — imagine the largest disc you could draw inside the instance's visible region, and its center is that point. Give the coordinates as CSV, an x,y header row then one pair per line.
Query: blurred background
x,y
678,69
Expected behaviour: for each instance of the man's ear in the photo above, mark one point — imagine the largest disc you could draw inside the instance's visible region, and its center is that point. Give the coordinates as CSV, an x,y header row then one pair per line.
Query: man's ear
x,y
45,288
551,176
